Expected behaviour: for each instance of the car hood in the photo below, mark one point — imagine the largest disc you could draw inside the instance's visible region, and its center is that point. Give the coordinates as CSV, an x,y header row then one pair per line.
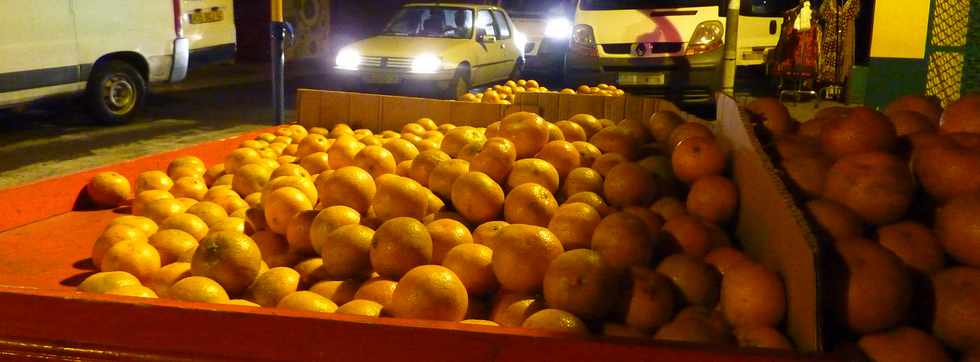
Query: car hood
x,y
405,46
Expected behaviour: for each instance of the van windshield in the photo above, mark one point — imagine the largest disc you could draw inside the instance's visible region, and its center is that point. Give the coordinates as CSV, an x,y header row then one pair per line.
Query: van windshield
x,y
644,4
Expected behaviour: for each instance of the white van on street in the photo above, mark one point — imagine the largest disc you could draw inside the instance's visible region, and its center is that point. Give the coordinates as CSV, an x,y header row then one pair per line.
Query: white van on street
x,y
110,50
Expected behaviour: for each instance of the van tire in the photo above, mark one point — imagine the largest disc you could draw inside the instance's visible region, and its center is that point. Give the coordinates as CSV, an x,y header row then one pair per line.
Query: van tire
x,y
116,91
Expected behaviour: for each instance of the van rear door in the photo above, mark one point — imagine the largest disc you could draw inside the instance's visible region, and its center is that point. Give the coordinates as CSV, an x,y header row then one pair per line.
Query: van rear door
x,y
663,27
210,27
37,48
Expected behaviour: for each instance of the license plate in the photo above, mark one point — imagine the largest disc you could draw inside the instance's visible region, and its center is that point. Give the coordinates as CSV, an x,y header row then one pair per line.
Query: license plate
x,y
642,78
373,78
208,16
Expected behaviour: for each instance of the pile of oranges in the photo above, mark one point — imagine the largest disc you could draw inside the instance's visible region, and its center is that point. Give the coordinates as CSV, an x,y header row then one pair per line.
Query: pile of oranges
x,y
507,93
897,195
581,226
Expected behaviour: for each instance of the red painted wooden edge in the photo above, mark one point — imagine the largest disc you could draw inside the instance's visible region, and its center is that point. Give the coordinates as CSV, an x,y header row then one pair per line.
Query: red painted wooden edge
x,y
156,329
24,204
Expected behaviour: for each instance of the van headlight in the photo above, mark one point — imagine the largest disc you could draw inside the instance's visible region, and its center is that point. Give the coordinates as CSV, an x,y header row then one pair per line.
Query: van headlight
x,y
426,63
707,36
348,59
558,28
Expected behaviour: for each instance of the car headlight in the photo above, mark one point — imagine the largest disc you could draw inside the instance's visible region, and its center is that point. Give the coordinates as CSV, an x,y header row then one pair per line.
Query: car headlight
x,y
348,59
426,63
559,28
707,36
520,40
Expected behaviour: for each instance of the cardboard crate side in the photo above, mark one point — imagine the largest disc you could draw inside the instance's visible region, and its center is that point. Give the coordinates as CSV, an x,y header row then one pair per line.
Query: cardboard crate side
x,y
308,107
772,231
572,104
334,109
365,111
475,114
615,109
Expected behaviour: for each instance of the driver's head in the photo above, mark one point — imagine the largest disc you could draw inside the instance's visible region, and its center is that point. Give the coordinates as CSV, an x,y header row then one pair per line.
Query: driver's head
x,y
460,19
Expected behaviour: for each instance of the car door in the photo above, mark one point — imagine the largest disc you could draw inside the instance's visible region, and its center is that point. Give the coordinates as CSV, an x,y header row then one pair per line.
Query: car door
x,y
509,51
37,49
210,26
488,50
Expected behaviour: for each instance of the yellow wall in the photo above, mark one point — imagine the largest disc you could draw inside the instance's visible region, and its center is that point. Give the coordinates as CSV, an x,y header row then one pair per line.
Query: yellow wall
x,y
900,29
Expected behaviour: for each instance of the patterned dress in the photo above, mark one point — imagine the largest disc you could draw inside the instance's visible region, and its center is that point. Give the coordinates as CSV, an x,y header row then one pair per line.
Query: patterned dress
x,y
837,36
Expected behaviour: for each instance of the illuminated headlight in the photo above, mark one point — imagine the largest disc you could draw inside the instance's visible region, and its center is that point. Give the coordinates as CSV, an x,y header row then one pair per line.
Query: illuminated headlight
x,y
559,28
348,59
426,63
707,36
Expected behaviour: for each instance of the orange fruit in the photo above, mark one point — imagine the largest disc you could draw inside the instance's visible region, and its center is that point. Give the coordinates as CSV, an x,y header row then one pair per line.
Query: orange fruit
x,y
109,189
399,245
282,204
459,137
190,187
290,169
298,232
485,233
404,168
362,307
274,249
903,344
377,289
522,254
574,225
636,130
342,152
862,130
872,290
591,199
312,144
696,281
480,322
957,228
429,292
752,295
623,240
102,282
231,259
571,131
556,320
581,179
112,235
915,244
528,131
348,186
376,160
773,115
511,309
697,157
165,277
173,245
186,166
338,291
399,196
651,301
274,285
427,123
135,257
442,177
230,224
227,198
685,131
725,258
469,152
580,282
145,197
534,170
240,157
661,124
477,197
762,337
189,223
668,208
961,115
307,301
328,220
531,204
424,163
835,219
946,168
346,252
956,292
413,128
446,234
224,180
689,235
315,163
198,289
628,184
877,186
434,207
589,124
153,180
588,153
714,199
144,224
926,106
496,159
138,291
159,210
401,149
340,129
472,263
562,155
909,122
605,163
616,140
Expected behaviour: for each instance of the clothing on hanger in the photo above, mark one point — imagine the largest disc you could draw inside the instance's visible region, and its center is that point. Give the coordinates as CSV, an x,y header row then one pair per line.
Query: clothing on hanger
x,y
837,39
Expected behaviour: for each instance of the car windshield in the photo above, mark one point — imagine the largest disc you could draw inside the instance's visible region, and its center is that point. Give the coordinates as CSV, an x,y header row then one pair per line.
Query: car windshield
x,y
644,4
434,22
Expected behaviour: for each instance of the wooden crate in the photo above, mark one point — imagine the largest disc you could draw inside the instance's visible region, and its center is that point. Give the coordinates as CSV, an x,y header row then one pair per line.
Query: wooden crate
x,y
47,234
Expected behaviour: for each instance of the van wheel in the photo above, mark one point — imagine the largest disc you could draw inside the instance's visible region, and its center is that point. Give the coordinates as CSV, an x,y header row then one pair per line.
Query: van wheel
x,y
460,85
115,92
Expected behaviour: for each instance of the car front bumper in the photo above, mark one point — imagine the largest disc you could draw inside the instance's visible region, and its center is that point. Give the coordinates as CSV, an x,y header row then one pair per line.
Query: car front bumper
x,y
395,77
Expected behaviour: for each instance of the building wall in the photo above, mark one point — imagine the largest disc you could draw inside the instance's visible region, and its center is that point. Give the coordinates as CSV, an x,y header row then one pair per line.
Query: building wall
x,y
897,63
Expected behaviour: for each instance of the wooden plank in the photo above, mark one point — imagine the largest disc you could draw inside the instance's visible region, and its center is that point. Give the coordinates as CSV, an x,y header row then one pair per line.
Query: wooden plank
x,y
334,109
440,111
633,108
572,104
365,111
475,114
615,109
396,112
308,106
548,107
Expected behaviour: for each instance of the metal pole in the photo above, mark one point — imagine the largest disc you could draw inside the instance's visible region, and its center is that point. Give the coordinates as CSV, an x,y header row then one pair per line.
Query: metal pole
x,y
731,48
277,31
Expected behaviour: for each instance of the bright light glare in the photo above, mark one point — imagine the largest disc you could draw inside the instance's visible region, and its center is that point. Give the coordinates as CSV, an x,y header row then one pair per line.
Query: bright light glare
x,y
521,40
426,63
558,28
348,59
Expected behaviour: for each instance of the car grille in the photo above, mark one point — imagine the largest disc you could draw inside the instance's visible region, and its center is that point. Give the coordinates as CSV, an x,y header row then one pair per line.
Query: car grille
x,y
626,48
387,62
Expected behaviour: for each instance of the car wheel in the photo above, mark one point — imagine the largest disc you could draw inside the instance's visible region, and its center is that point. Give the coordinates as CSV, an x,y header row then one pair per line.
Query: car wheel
x,y
460,85
116,91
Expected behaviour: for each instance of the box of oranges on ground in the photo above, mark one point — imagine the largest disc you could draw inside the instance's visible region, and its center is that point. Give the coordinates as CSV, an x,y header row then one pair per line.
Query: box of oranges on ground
x,y
391,228
894,195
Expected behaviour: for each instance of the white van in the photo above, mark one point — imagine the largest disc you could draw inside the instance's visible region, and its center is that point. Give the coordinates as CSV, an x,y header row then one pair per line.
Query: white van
x,y
546,26
108,49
